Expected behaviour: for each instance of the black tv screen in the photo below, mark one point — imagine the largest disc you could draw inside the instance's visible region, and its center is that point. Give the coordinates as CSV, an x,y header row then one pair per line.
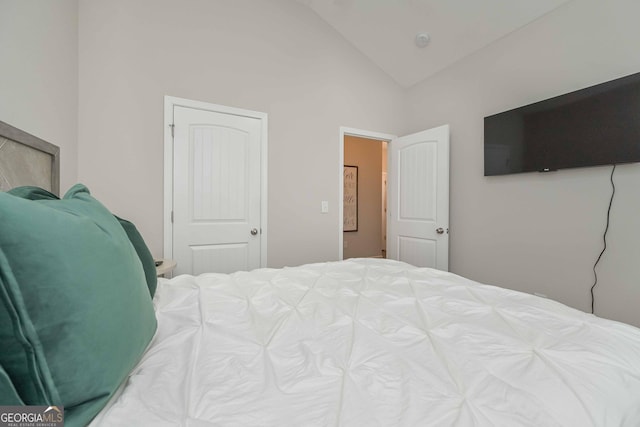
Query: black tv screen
x,y
599,125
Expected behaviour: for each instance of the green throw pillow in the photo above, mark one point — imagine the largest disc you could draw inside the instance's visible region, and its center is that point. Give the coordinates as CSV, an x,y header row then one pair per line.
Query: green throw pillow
x,y
8,394
75,311
148,263
33,193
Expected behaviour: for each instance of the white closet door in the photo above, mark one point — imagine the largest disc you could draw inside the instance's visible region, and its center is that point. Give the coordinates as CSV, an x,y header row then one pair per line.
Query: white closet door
x,y
216,191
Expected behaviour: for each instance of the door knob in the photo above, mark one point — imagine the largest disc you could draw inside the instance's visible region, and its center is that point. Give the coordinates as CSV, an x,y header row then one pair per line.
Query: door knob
x,y
440,230
254,231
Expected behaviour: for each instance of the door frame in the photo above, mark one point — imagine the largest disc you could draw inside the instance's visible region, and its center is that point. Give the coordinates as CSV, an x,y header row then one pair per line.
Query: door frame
x,y
169,103
347,131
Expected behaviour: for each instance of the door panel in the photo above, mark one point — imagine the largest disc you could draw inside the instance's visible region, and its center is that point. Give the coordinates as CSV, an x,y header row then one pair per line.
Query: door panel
x,y
218,174
219,258
419,198
416,251
216,191
417,167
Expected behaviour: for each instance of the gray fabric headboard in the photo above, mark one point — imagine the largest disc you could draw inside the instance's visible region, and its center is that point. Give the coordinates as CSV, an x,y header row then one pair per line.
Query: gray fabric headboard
x,y
27,160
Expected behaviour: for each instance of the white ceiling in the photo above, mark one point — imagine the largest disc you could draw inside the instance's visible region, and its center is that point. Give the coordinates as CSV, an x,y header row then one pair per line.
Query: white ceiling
x,y
385,30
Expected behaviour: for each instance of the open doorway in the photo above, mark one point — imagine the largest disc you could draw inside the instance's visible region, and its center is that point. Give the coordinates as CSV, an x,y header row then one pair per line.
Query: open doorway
x,y
367,152
364,197
418,196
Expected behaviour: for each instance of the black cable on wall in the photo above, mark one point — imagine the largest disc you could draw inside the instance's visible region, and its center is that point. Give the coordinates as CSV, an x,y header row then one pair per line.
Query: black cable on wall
x,y
604,239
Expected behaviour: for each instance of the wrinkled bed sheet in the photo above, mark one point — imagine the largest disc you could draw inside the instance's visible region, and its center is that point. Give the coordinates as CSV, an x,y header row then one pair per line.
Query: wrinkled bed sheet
x,y
373,342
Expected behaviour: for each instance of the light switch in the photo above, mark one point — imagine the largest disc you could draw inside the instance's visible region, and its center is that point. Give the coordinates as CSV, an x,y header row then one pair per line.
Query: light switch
x,y
325,207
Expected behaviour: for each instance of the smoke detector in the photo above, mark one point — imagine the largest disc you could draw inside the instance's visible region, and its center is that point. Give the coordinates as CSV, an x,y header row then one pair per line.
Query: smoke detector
x,y
422,39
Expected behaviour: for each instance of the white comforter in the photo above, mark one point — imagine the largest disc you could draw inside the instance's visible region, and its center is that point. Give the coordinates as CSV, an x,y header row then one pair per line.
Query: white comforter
x,y
375,343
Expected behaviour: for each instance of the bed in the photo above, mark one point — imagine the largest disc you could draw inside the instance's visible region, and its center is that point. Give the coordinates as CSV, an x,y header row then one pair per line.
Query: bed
x,y
362,342
372,342
27,160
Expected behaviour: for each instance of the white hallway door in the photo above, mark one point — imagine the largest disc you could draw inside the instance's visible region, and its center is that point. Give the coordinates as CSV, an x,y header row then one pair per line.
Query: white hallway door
x,y
216,191
419,199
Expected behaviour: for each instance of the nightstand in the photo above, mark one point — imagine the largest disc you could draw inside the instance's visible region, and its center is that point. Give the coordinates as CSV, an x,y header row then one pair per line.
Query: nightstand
x,y
166,267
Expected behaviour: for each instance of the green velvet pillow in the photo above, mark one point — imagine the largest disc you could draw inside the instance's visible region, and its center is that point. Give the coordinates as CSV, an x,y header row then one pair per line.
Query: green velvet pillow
x,y
75,311
148,263
8,394
33,193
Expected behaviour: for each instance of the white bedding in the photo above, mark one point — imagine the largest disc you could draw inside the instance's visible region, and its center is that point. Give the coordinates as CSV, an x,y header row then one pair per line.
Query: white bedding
x,y
372,342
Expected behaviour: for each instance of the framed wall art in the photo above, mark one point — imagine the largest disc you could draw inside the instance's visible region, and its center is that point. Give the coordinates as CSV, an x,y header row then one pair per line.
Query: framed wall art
x,y
350,195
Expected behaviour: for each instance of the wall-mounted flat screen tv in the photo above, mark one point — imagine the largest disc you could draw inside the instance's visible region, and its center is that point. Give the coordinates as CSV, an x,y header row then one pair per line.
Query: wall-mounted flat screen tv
x,y
599,125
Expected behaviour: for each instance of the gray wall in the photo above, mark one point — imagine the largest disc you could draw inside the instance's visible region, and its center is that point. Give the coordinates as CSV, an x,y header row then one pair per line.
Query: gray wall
x,y
39,68
532,232
276,57
541,232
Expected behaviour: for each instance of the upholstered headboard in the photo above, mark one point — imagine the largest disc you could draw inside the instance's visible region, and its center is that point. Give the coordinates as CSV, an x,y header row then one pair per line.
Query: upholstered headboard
x,y
27,160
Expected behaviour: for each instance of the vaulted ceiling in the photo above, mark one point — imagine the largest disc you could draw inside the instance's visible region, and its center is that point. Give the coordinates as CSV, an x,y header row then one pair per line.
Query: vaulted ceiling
x,y
386,30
